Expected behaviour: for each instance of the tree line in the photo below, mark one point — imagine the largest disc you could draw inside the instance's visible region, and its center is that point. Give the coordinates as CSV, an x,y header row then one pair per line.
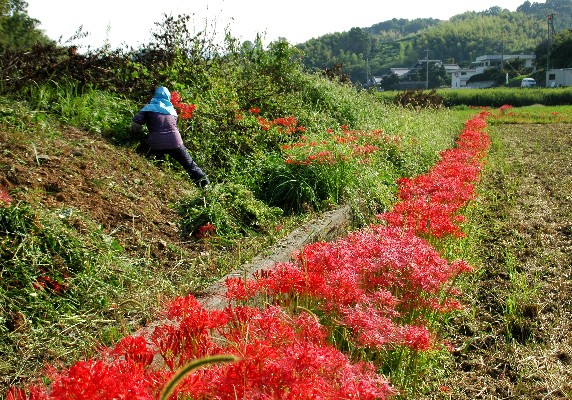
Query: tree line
x,y
362,53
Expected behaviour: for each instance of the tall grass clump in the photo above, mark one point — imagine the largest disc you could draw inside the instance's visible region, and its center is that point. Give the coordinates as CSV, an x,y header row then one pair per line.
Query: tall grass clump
x,y
87,108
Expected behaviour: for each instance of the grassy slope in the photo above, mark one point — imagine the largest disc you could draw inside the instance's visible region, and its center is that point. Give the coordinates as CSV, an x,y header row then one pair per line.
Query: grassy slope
x,y
118,207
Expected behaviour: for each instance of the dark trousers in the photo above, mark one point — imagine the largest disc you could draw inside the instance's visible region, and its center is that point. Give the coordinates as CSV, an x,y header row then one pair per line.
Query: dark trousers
x,y
182,156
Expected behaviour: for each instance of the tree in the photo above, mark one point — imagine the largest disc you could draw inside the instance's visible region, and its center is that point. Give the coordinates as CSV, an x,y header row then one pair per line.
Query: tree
x,y
18,32
561,50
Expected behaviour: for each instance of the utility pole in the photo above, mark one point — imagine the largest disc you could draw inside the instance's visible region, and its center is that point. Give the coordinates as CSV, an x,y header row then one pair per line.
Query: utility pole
x,y
550,18
367,71
427,69
502,52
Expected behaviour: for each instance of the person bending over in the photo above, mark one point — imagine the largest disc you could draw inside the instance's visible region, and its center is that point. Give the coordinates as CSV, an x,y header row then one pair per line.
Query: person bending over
x,y
164,137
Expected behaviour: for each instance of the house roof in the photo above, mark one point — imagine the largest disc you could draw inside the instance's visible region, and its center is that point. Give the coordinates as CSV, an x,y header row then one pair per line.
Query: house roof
x,y
400,71
505,57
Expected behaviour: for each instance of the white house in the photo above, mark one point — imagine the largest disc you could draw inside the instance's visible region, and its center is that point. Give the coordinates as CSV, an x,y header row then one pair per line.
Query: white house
x,y
460,77
483,63
559,77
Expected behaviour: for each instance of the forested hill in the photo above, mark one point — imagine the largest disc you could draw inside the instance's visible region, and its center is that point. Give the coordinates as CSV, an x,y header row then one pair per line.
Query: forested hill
x,y
401,42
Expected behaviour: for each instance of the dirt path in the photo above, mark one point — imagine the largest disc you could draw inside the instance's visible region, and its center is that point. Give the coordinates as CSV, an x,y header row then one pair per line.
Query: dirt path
x,y
518,342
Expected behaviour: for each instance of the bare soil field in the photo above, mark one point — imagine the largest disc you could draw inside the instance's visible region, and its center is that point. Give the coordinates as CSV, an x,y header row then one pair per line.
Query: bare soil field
x,y
515,340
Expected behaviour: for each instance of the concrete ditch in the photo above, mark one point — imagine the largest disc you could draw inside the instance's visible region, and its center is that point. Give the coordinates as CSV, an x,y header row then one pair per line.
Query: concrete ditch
x,y
328,226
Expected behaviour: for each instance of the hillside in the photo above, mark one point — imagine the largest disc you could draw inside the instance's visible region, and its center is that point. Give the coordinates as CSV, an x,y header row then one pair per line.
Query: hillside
x,y
370,51
116,187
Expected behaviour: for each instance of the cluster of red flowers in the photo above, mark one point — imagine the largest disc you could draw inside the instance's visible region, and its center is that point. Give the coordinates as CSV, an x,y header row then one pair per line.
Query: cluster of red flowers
x,y
378,281
206,230
184,110
5,198
280,356
344,146
287,125
429,204
377,285
503,109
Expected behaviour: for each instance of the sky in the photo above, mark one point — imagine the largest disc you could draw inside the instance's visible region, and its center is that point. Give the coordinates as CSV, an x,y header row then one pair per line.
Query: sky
x,y
121,23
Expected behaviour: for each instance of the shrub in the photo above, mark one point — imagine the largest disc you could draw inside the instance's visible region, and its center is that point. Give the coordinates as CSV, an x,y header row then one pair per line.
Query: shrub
x,y
419,99
226,210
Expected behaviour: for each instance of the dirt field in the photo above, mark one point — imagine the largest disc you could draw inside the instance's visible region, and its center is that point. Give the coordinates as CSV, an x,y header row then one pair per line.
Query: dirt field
x,y
518,342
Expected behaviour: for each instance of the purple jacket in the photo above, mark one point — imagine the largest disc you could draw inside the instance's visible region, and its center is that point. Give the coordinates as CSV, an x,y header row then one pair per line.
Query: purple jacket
x,y
163,131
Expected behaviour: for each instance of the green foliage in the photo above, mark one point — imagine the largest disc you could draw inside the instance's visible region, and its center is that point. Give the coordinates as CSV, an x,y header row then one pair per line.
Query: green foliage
x,y
538,10
231,209
561,50
53,277
496,97
516,97
18,32
297,188
89,109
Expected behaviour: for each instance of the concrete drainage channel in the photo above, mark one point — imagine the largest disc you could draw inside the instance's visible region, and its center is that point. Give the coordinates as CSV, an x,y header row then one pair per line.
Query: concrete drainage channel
x,y
328,226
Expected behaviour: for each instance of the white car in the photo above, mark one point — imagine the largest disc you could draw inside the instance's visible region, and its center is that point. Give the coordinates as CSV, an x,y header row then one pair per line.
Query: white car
x,y
528,82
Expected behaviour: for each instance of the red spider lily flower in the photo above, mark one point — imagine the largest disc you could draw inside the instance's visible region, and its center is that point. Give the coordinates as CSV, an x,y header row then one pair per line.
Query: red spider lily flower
x,y
5,198
97,380
206,230
184,110
44,281
416,337
254,110
504,108
134,348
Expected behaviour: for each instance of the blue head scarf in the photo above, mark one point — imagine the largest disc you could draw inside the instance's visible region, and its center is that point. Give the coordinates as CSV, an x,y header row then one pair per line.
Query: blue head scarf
x,y
161,102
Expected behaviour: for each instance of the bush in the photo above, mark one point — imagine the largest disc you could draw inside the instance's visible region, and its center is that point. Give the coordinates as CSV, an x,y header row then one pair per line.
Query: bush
x,y
226,210
419,99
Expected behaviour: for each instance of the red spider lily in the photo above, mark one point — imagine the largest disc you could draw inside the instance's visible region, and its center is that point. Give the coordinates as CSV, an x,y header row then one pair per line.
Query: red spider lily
x,y
347,146
287,125
96,380
5,198
429,203
282,357
206,230
184,110
44,281
134,348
